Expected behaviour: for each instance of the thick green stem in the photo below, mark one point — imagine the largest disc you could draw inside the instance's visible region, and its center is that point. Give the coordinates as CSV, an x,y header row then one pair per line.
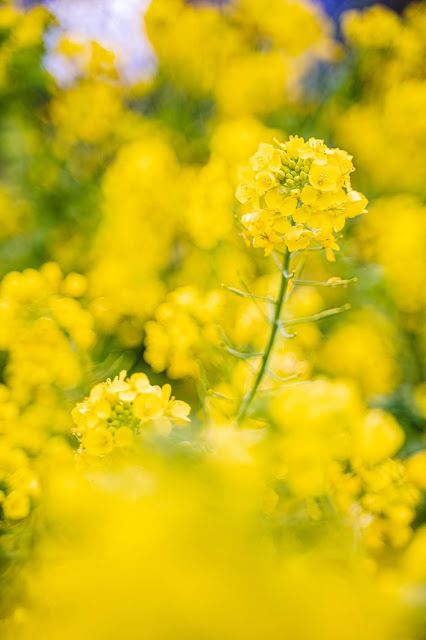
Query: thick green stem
x,y
245,405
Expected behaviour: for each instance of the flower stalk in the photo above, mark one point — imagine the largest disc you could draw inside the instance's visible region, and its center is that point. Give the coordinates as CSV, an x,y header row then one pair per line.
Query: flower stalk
x,y
246,403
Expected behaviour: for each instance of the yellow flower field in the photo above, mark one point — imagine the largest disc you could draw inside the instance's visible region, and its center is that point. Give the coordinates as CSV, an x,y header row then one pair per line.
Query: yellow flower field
x,y
212,326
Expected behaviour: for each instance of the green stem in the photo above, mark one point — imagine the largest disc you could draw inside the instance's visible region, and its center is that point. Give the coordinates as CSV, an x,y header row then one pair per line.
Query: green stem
x,y
245,405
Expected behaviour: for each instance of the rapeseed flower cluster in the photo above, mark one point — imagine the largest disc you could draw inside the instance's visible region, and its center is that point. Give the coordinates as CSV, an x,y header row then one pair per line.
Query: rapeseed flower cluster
x,y
380,241
364,349
242,53
388,115
144,178
116,410
283,493
44,322
379,501
182,331
298,191
46,340
330,444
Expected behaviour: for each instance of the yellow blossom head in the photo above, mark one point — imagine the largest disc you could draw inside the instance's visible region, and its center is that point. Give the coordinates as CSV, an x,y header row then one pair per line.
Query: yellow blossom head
x,y
116,410
298,192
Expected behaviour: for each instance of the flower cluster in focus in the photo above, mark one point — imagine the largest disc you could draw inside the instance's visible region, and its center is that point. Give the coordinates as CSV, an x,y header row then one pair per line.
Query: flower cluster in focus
x,y
116,410
296,193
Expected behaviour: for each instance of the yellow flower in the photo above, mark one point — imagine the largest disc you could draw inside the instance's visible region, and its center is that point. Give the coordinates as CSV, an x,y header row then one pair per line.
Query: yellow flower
x,y
9,16
315,149
87,112
416,469
392,236
379,436
307,182
293,146
266,158
374,27
124,438
328,241
16,505
179,410
74,285
364,349
176,409
279,202
355,204
183,332
309,195
326,176
98,441
298,237
149,404
264,181
311,216
244,192
117,409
